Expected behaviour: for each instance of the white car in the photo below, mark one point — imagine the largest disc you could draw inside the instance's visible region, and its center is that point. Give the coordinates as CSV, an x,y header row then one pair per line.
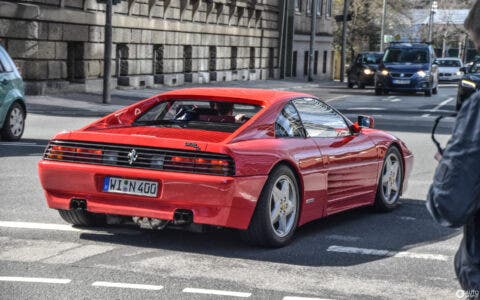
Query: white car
x,y
449,69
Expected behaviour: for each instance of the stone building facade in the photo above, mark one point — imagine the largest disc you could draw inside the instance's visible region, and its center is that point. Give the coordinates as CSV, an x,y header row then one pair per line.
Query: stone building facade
x,y
58,44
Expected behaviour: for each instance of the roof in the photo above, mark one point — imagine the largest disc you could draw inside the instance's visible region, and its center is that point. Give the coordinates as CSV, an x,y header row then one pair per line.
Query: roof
x,y
261,96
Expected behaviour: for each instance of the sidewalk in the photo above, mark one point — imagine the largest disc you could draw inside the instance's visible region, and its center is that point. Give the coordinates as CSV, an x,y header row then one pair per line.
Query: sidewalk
x,y
90,105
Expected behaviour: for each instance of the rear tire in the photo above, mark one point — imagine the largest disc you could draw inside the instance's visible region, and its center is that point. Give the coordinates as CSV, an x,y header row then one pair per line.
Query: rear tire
x,y
276,215
14,124
82,218
390,182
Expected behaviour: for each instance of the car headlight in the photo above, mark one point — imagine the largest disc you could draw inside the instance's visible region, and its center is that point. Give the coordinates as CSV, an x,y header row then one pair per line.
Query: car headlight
x,y
384,72
367,72
422,73
468,84
459,73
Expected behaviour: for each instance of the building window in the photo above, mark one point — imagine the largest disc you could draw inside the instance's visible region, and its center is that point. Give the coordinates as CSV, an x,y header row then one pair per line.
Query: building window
x,y
271,52
122,60
75,62
315,65
294,64
233,58
309,7
325,55
251,65
187,59
212,58
305,63
319,7
158,59
298,5
329,8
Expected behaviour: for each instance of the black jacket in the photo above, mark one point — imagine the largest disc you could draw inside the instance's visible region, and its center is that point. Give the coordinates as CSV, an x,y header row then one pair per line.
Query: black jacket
x,y
454,196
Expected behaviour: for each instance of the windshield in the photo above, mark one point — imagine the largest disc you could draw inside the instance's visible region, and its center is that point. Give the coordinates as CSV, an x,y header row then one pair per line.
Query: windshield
x,y
198,114
406,55
449,63
372,58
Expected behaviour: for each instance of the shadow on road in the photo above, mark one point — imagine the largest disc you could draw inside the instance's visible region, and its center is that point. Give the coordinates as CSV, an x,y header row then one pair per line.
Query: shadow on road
x,y
407,227
23,147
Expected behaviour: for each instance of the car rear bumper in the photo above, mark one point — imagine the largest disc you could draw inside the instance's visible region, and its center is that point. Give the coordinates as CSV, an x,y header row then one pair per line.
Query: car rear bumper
x,y
214,200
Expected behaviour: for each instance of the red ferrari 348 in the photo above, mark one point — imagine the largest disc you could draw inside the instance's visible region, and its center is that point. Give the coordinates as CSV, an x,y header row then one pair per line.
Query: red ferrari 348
x,y
261,161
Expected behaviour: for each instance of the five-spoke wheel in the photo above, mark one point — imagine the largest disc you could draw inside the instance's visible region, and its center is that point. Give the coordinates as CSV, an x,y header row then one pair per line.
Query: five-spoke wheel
x,y
391,179
276,215
14,122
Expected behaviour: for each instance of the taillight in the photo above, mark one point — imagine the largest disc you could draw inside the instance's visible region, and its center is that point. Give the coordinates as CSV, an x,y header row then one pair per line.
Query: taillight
x,y
72,153
198,165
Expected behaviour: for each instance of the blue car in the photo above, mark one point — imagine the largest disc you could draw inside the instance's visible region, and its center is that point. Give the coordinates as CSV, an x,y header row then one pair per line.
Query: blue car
x,y
407,67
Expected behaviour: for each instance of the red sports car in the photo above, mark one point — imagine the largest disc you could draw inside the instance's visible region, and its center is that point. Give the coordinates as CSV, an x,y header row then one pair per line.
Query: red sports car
x,y
261,161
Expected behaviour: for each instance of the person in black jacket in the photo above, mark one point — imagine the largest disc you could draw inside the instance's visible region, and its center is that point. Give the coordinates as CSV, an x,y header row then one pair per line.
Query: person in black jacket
x,y
454,196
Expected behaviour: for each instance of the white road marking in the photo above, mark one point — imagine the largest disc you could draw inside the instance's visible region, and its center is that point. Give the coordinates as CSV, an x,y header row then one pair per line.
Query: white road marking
x,y
64,227
370,108
43,226
35,279
340,237
303,298
128,285
387,253
396,100
438,107
216,292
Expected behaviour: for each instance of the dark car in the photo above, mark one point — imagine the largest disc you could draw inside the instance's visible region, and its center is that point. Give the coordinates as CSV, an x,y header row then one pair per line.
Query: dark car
x,y
362,70
407,67
469,83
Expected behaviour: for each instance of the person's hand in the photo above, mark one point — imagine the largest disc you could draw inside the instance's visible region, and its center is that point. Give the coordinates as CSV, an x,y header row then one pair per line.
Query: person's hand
x,y
438,156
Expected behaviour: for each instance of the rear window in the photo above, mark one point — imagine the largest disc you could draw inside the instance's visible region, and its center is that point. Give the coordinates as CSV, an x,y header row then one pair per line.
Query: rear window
x,y
198,114
6,61
406,55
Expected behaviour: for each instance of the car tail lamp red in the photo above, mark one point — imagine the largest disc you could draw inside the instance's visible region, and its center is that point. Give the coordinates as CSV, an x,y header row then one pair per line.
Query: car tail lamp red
x,y
56,152
198,165
127,156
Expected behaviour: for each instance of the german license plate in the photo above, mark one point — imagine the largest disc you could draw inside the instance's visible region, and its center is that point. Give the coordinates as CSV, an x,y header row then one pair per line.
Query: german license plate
x,y
401,81
130,186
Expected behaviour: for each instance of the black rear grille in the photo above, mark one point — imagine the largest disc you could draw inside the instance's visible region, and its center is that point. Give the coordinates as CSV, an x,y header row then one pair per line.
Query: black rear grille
x,y
140,157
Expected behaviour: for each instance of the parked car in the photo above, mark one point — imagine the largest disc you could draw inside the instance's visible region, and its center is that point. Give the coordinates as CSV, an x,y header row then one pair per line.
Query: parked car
x,y
362,71
469,84
407,67
173,159
449,69
12,99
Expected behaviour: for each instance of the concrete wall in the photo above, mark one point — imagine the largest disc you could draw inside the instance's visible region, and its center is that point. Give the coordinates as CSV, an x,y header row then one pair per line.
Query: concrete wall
x,y
37,35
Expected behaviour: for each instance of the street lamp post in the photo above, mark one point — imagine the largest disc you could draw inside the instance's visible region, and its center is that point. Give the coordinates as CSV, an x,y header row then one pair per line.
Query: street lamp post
x,y
433,9
382,32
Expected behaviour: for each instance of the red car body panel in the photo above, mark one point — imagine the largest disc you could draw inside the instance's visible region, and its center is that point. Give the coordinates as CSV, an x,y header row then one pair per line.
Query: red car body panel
x,y
334,174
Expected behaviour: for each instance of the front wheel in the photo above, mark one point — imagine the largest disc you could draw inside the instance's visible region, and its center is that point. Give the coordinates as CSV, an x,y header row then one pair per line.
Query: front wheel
x,y
390,182
428,93
435,90
378,92
276,215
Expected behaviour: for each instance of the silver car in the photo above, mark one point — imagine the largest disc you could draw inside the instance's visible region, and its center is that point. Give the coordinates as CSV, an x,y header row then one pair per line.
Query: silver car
x,y
449,69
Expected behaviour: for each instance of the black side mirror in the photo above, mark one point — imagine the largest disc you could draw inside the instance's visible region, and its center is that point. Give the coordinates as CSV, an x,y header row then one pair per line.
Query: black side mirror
x,y
366,121
464,70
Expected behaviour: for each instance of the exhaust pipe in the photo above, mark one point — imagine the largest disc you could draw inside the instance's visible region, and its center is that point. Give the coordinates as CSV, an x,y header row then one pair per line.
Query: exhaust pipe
x,y
78,204
182,217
